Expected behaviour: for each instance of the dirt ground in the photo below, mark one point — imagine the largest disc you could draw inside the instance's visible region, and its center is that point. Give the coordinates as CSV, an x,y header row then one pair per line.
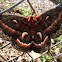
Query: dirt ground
x,y
8,53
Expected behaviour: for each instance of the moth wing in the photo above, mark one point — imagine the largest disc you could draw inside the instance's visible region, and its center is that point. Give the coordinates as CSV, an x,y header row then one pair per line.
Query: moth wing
x,y
9,24
53,14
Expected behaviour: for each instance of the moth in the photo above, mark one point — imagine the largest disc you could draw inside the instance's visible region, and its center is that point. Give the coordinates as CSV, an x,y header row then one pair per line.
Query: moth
x,y
33,32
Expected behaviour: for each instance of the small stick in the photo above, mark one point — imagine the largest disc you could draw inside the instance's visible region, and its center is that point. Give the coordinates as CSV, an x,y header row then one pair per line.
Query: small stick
x,y
4,46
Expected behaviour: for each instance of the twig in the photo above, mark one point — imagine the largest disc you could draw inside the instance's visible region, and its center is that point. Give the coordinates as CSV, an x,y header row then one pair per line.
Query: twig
x,y
2,57
47,51
4,46
56,56
59,4
42,54
30,56
11,7
56,44
14,58
31,6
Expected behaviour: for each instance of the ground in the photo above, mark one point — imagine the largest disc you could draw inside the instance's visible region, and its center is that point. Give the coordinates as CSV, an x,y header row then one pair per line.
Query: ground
x,y
9,52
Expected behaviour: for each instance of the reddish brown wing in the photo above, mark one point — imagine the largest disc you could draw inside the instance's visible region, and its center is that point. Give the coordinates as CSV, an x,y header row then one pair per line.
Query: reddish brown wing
x,y
14,29
50,22
7,19
54,22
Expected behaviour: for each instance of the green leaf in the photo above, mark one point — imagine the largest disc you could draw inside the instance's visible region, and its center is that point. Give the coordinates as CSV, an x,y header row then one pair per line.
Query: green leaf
x,y
45,58
27,13
49,57
52,50
1,0
58,38
52,41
